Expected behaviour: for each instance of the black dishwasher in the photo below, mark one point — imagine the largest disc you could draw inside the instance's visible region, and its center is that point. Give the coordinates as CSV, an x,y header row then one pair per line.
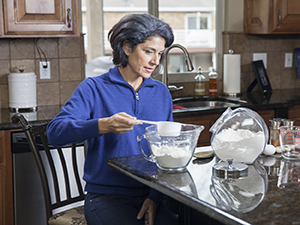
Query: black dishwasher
x,y
29,208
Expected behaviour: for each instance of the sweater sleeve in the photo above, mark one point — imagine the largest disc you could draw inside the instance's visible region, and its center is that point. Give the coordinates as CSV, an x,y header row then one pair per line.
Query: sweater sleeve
x,y
155,196
73,123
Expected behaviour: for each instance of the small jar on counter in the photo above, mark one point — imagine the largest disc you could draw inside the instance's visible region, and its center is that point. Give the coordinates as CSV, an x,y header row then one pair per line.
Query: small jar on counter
x,y
200,83
275,123
213,83
274,131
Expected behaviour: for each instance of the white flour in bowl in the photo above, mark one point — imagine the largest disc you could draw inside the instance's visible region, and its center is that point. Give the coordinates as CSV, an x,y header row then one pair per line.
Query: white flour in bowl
x,y
170,156
240,145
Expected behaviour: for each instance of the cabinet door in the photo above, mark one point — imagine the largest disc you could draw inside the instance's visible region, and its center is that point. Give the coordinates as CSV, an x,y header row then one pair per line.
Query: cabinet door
x,y
267,115
2,199
206,120
6,184
257,16
1,19
271,16
294,114
40,17
286,16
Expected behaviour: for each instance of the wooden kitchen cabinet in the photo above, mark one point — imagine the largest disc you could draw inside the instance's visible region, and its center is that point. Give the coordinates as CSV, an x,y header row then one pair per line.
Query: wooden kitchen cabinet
x,y
294,114
6,184
267,115
1,19
206,120
36,18
271,16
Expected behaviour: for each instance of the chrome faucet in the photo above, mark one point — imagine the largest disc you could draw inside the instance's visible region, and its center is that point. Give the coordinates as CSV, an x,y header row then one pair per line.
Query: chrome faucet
x,y
165,78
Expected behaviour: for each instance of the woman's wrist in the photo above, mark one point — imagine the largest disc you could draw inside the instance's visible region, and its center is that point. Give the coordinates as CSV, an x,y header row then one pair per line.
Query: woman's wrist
x,y
103,126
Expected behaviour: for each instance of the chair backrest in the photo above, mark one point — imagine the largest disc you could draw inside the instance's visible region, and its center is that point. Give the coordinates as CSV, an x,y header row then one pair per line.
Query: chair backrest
x,y
59,168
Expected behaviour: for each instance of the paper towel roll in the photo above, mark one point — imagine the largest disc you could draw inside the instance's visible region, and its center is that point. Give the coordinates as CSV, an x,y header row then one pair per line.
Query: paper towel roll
x,y
232,74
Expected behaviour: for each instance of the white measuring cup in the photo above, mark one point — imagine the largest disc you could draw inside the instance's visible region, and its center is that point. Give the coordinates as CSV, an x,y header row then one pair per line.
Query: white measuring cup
x,y
166,128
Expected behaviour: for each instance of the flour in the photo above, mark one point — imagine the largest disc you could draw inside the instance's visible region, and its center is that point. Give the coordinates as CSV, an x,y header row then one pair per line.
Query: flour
x,y
171,156
240,145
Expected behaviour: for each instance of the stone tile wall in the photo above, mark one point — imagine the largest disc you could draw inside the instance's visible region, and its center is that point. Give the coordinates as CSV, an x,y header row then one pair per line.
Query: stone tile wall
x,y
67,59
275,46
67,66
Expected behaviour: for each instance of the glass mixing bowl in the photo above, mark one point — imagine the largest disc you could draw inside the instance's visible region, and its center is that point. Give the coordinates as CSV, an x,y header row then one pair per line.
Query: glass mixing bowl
x,y
171,153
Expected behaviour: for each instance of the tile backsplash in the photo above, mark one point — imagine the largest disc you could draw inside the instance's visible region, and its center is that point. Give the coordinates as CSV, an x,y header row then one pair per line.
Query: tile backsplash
x,y
67,66
275,46
67,63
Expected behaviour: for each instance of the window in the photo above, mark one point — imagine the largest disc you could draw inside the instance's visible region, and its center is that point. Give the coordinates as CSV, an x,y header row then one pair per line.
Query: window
x,y
194,27
193,23
198,21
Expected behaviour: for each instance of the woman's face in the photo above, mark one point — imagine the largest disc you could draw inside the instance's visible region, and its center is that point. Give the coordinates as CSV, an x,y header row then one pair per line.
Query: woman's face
x,y
145,57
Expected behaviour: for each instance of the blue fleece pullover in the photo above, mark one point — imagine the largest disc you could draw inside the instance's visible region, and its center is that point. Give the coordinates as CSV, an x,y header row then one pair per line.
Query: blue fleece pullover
x,y
104,96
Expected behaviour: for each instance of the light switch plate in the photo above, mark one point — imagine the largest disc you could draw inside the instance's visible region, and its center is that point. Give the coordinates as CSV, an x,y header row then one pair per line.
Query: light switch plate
x,y
45,70
288,62
260,56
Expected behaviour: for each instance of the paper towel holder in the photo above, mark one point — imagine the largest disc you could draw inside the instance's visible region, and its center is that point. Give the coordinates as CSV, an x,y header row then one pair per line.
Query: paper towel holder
x,y
261,78
236,94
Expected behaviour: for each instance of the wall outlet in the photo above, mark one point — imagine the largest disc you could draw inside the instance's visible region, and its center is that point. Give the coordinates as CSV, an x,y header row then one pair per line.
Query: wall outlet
x,y
45,70
288,62
260,56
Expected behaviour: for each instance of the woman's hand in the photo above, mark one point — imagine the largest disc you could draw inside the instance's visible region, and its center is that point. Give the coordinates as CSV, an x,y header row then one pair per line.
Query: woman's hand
x,y
118,123
148,211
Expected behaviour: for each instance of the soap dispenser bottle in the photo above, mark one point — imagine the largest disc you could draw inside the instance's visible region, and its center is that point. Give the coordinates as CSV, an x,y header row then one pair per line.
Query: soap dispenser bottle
x,y
213,83
200,83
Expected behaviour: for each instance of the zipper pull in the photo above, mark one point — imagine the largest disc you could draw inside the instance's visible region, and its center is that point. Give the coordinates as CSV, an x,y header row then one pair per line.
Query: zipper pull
x,y
137,96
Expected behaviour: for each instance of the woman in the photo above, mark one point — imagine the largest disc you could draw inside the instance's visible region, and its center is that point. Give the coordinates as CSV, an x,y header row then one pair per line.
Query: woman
x,y
103,110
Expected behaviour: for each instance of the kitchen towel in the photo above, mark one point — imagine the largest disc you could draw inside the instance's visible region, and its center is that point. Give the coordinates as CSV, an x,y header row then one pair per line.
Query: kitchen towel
x,y
232,74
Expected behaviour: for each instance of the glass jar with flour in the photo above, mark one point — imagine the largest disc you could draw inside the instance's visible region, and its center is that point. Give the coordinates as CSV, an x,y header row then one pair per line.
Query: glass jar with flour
x,y
239,136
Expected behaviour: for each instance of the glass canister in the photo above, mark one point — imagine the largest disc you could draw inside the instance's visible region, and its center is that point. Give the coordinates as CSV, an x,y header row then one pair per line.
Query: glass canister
x,y
239,137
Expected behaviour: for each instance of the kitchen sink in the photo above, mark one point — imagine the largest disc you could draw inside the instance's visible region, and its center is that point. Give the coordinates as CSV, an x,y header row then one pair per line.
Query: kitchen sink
x,y
206,102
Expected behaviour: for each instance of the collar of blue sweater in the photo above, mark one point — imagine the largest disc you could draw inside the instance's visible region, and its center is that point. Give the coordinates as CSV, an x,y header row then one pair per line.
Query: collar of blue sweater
x,y
116,77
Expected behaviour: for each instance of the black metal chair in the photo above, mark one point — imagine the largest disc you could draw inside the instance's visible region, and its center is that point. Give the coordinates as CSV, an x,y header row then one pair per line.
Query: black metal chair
x,y
55,160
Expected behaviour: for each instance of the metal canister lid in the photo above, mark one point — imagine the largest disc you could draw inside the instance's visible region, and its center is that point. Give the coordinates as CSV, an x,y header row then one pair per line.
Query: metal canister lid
x,y
238,170
287,122
275,123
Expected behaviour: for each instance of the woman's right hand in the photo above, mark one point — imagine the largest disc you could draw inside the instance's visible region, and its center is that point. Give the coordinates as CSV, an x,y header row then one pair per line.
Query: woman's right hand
x,y
118,123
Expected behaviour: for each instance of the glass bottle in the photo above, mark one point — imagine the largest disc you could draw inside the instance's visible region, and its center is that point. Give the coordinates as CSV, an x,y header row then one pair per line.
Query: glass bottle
x,y
213,83
200,83
274,131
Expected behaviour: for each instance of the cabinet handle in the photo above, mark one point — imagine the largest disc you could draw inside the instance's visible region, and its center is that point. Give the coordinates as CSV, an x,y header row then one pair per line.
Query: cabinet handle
x,y
69,17
279,17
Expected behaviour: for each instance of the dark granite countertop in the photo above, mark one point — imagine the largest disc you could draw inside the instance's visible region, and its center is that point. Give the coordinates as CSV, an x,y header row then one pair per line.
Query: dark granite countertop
x,y
42,115
279,99
270,194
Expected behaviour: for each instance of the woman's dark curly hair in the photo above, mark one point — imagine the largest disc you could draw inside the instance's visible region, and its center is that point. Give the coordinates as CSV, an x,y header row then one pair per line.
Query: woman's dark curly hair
x,y
135,29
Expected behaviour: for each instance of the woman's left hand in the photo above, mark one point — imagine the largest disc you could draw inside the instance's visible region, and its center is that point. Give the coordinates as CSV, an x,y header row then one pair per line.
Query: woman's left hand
x,y
148,211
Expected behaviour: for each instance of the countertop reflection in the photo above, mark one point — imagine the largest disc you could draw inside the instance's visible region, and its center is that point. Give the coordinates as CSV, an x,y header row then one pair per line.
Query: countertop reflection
x,y
268,195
